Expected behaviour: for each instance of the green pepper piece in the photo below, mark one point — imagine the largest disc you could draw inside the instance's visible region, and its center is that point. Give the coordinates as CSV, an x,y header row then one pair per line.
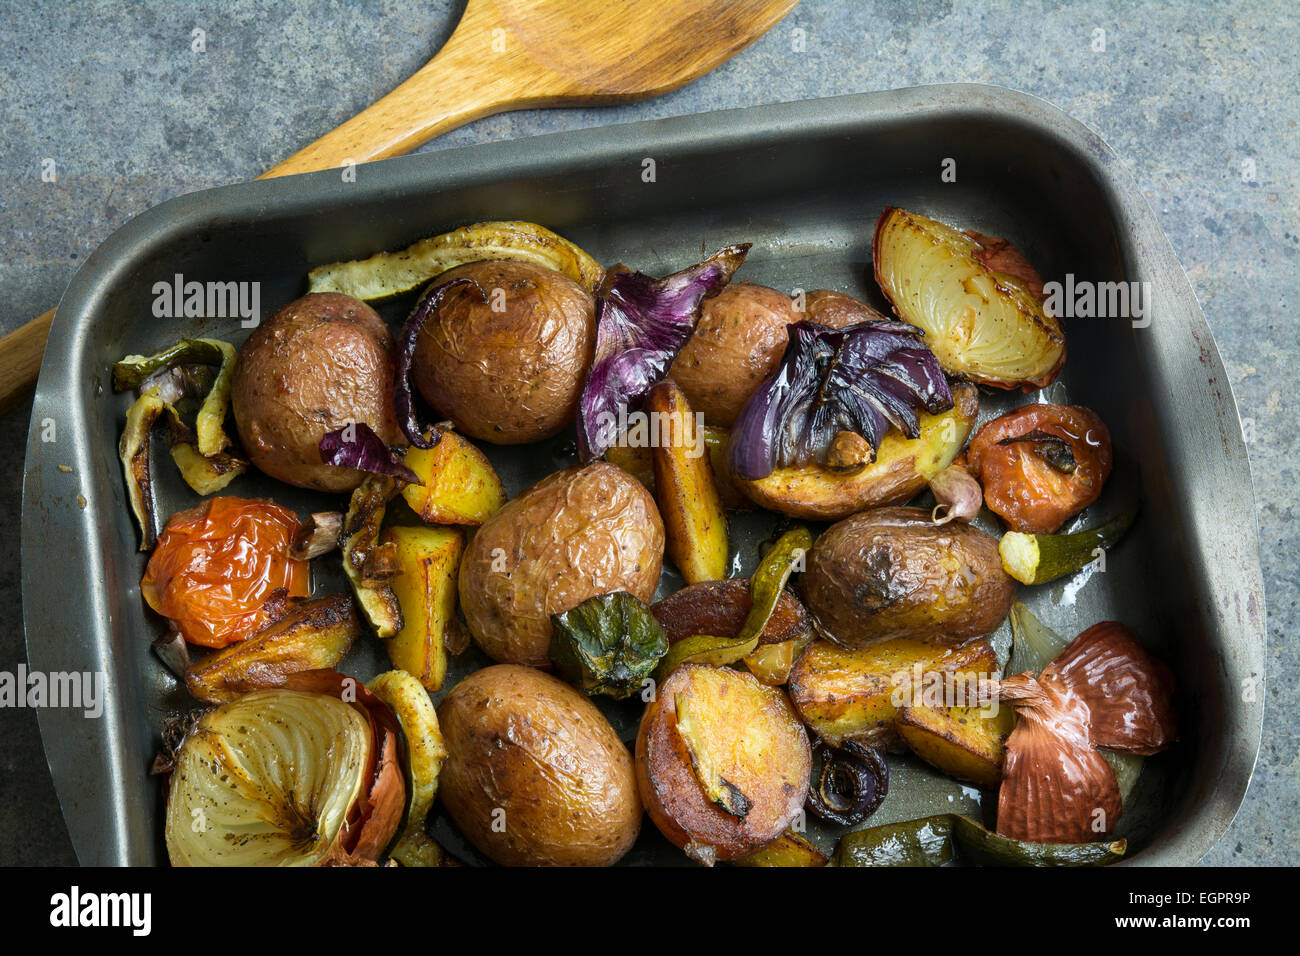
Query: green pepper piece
x,y
608,644
924,842
986,848
766,586
134,369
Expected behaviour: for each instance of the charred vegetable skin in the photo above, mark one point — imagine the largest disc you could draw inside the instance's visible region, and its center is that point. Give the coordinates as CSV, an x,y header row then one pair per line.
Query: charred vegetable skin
x,y
851,785
1041,464
891,573
535,775
321,362
977,299
608,644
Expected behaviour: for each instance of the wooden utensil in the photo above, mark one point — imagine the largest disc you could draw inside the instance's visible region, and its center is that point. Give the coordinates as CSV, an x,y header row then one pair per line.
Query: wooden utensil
x,y
505,55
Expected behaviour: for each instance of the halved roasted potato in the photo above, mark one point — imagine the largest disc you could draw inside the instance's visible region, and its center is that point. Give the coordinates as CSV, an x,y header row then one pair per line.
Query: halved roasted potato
x,y
722,762
429,558
695,529
841,693
901,470
457,483
789,849
313,635
965,742
981,321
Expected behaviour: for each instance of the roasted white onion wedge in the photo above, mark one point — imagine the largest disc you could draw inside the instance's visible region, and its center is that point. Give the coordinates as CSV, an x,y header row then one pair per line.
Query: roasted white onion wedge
x,y
288,777
978,301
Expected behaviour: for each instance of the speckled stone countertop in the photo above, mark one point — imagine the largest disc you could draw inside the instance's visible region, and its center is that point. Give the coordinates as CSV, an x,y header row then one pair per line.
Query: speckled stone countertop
x,y
1199,99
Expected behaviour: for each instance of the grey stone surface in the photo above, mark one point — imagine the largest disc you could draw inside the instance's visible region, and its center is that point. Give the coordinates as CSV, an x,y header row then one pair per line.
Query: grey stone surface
x,y
1192,95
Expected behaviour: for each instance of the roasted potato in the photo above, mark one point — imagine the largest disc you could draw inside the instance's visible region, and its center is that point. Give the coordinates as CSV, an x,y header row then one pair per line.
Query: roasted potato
x,y
457,483
694,525
901,470
319,363
579,533
312,635
722,762
789,849
637,463
965,742
842,693
838,310
429,559
892,573
535,775
510,369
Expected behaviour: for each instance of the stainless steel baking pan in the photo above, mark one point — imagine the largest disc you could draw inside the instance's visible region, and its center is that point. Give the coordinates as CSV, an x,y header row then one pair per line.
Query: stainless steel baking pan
x,y
804,182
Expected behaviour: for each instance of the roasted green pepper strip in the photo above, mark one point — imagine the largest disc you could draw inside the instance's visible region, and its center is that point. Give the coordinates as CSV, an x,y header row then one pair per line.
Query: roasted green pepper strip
x,y
931,841
134,369
608,644
766,585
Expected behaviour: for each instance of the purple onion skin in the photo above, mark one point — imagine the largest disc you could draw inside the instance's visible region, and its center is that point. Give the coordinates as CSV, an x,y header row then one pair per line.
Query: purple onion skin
x,y
862,378
641,324
365,452
403,398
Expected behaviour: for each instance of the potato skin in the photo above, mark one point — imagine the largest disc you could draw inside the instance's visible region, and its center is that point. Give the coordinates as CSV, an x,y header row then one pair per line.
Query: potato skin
x,y
526,743
573,535
512,376
838,310
317,364
892,573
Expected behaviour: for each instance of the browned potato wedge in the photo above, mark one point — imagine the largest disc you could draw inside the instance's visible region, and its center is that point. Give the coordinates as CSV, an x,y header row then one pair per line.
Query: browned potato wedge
x,y
901,470
637,463
695,529
966,742
842,693
722,762
892,572
789,849
457,483
312,635
535,775
429,559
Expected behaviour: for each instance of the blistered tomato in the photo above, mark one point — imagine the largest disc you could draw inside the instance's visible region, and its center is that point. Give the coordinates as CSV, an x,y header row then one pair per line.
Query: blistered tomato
x,y
215,567
1041,464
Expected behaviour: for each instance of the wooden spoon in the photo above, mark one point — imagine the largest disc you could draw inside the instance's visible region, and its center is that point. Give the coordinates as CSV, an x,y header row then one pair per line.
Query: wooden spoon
x,y
505,55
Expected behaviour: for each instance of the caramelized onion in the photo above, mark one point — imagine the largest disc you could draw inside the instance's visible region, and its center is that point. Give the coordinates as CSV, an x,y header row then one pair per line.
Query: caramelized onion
x,y
853,782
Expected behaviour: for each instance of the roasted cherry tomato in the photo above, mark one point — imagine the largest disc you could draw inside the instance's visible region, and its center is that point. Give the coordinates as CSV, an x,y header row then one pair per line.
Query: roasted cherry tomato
x,y
216,567
1041,464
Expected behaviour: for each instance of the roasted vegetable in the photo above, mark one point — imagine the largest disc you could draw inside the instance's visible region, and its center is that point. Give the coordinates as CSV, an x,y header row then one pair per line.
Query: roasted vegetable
x,y
850,786
608,644
833,384
425,753
576,534
737,343
901,469
789,849
957,496
722,762
977,300
318,364
855,694
827,307
457,484
221,571
318,535
695,528
1039,558
535,775
501,348
312,635
429,561
356,447
369,566
766,588
134,370
301,777
931,841
1041,464
893,573
1103,690
389,274
637,462
968,742
641,325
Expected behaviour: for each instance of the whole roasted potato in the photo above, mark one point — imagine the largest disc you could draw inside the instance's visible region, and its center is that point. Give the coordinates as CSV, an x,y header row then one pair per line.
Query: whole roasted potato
x,y
573,535
892,573
508,370
319,363
535,775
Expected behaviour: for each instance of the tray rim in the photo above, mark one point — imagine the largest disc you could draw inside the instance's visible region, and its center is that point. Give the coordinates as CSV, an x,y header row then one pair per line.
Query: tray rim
x,y
59,390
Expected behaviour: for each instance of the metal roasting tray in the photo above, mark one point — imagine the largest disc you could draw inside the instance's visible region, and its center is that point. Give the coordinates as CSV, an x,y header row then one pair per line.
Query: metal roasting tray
x,y
804,182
